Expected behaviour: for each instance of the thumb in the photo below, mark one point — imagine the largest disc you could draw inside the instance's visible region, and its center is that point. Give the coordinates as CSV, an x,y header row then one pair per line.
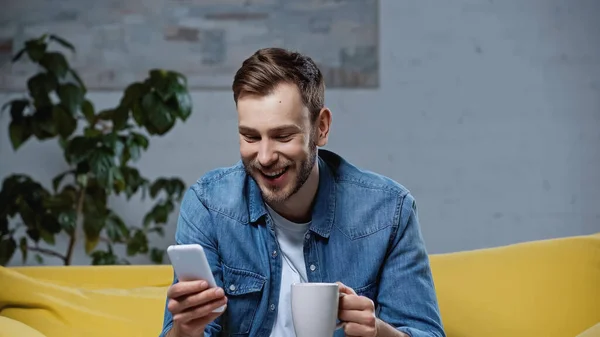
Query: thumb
x,y
345,289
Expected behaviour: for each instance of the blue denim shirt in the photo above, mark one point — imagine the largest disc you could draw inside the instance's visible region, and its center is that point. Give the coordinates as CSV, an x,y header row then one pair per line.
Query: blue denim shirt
x,y
364,233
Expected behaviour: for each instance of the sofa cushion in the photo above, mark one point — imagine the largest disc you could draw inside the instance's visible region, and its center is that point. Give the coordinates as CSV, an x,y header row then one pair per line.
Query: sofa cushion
x,y
541,288
58,310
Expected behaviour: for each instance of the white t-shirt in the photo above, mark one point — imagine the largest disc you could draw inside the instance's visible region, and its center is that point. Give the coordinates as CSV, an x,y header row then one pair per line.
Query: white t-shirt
x,y
290,236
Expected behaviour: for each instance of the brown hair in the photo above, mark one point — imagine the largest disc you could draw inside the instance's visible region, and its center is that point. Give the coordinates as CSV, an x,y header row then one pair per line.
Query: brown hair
x,y
268,67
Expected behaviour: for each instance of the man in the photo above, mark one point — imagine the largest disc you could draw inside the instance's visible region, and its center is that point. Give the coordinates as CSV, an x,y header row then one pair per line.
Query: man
x,y
289,212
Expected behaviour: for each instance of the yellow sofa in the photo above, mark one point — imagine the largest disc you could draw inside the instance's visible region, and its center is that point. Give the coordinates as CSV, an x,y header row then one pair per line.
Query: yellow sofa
x,y
543,288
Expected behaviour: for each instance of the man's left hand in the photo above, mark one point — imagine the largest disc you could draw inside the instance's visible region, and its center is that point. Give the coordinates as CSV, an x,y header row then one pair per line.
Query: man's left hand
x,y
357,313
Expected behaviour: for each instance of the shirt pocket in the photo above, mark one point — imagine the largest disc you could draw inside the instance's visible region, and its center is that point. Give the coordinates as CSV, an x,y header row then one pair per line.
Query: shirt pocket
x,y
369,291
244,291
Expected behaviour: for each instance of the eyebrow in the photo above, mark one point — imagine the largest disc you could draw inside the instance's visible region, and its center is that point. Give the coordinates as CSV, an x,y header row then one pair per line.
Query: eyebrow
x,y
283,128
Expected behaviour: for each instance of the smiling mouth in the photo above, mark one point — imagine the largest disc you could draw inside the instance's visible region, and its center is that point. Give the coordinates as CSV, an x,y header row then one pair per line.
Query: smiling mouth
x,y
276,174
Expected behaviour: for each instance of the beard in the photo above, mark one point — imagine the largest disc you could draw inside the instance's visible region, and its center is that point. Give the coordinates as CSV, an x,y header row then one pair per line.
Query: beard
x,y
300,170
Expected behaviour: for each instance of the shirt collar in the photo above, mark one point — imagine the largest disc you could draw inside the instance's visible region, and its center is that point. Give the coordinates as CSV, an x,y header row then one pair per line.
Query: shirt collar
x,y
323,207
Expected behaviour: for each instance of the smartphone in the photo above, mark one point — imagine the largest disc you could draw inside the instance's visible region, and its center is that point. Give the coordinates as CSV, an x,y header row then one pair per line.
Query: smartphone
x,y
189,263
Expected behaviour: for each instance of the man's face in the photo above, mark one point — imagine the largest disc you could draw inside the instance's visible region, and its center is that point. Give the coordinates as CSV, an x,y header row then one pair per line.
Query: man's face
x,y
277,141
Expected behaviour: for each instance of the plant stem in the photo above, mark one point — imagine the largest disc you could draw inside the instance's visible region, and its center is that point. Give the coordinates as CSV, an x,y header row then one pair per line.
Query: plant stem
x,y
47,252
77,223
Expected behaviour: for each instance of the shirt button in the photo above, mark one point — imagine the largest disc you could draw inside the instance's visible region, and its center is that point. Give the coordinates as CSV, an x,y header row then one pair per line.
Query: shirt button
x,y
313,267
272,307
274,253
307,236
232,287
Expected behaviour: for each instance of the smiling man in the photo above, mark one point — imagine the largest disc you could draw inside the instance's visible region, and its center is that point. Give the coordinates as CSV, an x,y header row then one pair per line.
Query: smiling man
x,y
291,212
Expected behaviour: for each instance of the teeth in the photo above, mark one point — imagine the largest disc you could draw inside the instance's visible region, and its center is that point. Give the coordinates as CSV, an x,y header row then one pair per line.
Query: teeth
x,y
275,173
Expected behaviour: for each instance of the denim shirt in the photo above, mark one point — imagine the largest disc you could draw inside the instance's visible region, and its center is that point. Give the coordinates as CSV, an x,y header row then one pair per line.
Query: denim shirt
x,y
364,233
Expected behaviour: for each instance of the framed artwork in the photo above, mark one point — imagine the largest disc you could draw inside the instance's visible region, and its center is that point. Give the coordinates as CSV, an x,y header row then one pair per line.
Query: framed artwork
x,y
118,41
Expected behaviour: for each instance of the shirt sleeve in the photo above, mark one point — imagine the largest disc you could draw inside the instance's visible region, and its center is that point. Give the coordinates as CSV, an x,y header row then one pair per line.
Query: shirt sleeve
x,y
407,298
194,225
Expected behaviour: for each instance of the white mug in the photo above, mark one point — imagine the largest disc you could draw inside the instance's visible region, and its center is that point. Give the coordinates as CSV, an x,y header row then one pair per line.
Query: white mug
x,y
315,309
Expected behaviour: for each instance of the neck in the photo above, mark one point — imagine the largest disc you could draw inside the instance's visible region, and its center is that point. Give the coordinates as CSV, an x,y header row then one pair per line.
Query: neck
x,y
298,208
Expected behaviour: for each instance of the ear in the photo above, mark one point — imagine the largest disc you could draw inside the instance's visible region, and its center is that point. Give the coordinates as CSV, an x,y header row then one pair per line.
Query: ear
x,y
323,124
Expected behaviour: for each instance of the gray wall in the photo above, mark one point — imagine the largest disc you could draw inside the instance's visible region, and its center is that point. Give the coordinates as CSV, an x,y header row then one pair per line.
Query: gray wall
x,y
489,112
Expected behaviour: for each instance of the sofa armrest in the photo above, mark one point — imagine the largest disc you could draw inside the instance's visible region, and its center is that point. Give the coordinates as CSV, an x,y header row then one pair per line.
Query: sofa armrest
x,y
594,331
10,328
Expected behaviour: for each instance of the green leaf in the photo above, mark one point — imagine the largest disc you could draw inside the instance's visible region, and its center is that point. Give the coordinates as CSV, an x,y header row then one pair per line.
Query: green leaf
x,y
133,93
133,180
40,86
34,234
3,224
120,118
61,201
139,139
92,133
92,226
62,42
157,186
8,246
50,225
106,114
184,104
79,149
42,123
159,213
19,133
82,179
68,220
138,243
47,237
17,108
71,96
173,187
39,259
165,83
78,79
133,147
58,179
156,255
101,165
55,63
64,121
36,49
138,113
116,229
100,257
62,142
159,230
90,244
159,118
87,109
23,248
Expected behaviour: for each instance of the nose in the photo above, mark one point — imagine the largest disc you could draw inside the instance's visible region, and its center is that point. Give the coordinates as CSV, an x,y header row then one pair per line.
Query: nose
x,y
267,155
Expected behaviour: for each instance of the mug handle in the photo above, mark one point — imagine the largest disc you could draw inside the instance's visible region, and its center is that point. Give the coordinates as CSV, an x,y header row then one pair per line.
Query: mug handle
x,y
341,324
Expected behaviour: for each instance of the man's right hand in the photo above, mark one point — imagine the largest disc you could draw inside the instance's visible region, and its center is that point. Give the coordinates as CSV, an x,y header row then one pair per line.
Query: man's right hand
x,y
192,303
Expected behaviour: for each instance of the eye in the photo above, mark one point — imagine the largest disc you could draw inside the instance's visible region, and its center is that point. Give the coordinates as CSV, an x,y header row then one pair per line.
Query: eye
x,y
251,139
284,138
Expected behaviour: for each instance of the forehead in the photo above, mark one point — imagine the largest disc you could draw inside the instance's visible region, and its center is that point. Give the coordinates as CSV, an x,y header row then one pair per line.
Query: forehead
x,y
282,106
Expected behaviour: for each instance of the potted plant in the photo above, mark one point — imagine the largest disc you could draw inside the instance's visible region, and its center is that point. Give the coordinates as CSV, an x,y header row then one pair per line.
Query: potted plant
x,y
100,148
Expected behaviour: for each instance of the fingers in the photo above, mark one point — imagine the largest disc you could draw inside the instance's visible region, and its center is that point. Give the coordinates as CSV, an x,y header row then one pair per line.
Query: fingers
x,y
180,304
359,317
192,325
352,329
184,288
355,302
202,313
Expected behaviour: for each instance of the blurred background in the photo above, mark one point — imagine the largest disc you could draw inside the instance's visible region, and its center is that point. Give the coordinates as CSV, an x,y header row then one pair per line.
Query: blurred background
x,y
487,111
